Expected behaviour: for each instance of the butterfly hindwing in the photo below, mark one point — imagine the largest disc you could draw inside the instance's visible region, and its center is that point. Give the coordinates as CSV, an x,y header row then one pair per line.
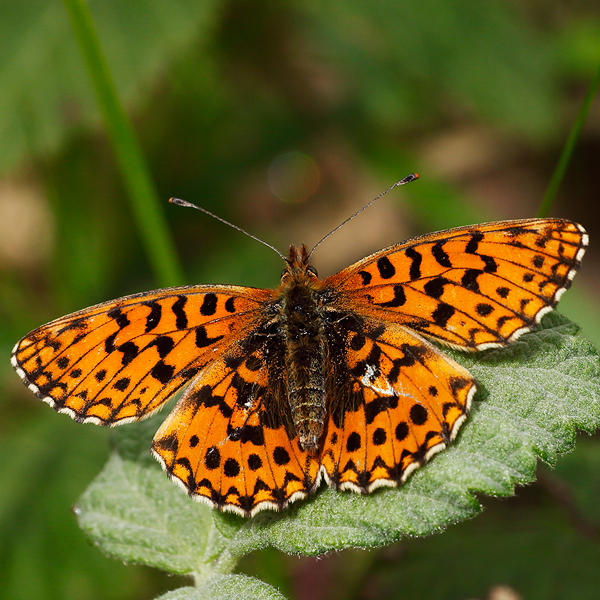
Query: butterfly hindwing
x,y
226,443
409,402
472,287
120,361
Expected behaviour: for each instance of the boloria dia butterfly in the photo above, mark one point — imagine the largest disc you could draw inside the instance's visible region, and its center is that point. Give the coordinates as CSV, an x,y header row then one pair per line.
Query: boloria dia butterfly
x,y
319,378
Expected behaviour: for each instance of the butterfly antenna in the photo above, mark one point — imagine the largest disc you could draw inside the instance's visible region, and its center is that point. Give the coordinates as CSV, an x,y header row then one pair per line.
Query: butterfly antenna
x,y
181,202
403,181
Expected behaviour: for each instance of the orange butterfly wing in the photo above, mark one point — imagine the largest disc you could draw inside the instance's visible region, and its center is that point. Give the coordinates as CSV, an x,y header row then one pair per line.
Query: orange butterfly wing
x,y
472,287
120,361
402,402
230,442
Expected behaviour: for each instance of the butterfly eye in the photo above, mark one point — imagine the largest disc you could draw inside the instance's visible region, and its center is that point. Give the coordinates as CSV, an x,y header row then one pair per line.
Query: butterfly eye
x,y
312,271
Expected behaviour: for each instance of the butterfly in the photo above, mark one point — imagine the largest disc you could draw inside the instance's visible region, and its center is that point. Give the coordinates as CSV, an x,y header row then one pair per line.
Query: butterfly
x,y
334,379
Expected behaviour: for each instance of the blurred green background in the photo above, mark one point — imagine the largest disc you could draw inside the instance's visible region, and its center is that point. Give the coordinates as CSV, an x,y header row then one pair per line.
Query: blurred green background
x,y
285,116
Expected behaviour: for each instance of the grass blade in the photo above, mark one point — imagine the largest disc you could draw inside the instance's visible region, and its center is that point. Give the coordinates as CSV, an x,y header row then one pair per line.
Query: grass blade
x,y
561,167
143,196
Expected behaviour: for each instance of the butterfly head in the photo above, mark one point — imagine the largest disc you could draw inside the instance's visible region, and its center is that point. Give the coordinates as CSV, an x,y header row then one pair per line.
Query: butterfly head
x,y
298,267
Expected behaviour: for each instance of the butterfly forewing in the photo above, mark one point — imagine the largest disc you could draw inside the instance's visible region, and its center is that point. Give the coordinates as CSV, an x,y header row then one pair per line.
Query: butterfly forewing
x,y
472,287
120,361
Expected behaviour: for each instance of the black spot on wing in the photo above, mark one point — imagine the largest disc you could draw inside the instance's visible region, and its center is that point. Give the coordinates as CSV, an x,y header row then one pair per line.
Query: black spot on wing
x,y
230,305
205,397
412,353
181,320
231,468
385,267
366,277
354,442
379,437
441,315
398,300
415,266
440,255
401,431
247,433
379,405
202,339
212,458
434,288
109,343
163,344
281,456
209,305
491,266
542,241
484,309
162,372
129,350
122,384
254,462
418,414
62,362
153,319
119,316
473,243
469,279
503,319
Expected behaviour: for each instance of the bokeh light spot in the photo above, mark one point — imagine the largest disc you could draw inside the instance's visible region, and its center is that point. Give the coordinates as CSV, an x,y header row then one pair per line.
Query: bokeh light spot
x,y
293,177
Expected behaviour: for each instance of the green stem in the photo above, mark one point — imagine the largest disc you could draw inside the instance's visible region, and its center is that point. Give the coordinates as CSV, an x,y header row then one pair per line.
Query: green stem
x,y
561,167
143,195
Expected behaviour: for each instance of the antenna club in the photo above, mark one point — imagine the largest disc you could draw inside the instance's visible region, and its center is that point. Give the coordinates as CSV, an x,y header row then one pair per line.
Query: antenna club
x,y
180,202
408,178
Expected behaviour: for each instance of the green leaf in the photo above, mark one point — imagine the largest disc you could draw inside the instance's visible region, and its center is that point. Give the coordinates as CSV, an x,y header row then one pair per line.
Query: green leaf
x,y
226,587
532,398
134,516
237,587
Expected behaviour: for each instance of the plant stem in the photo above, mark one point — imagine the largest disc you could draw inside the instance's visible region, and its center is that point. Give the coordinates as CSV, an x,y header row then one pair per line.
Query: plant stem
x,y
561,167
143,195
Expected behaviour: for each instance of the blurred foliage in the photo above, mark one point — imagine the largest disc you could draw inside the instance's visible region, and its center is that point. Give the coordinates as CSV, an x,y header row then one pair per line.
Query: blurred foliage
x,y
477,97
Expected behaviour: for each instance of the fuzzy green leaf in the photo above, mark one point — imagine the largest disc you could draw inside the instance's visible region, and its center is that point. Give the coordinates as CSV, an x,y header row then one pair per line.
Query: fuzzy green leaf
x,y
532,397
226,587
